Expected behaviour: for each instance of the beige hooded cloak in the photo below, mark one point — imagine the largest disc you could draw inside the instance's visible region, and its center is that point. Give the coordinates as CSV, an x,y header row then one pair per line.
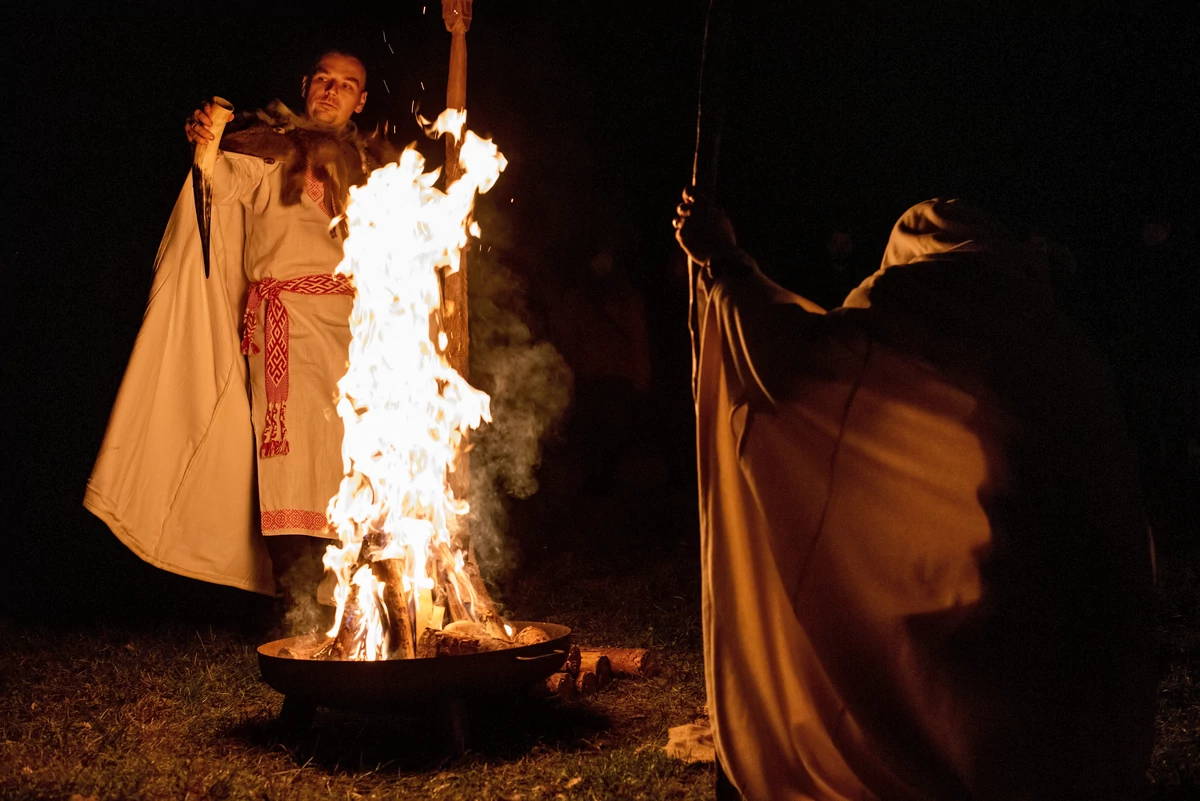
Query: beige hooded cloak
x,y
925,572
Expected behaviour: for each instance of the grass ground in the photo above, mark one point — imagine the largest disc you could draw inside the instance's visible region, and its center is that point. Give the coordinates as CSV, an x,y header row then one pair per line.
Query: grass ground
x,y
159,709
170,706
1175,763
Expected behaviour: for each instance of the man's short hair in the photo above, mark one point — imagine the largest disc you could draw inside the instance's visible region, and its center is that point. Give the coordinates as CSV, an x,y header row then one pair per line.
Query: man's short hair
x,y
336,51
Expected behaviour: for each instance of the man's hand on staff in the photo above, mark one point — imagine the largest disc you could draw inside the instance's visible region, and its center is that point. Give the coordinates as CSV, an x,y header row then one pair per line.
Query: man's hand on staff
x,y
199,125
702,229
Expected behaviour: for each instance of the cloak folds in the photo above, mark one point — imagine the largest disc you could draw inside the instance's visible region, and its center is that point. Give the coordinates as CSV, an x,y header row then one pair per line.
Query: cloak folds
x,y
925,570
175,477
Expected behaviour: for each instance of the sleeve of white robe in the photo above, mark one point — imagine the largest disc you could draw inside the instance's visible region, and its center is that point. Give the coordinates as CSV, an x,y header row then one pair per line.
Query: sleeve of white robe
x,y
235,176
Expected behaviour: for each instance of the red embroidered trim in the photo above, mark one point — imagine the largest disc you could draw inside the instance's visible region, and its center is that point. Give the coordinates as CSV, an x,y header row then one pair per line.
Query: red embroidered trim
x,y
276,337
315,189
293,519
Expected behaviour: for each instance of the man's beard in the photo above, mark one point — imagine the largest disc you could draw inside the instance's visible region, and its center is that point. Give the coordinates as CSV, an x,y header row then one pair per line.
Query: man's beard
x,y
322,114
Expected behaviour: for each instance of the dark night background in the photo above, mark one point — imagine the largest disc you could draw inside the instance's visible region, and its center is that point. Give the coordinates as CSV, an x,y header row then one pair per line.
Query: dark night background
x,y
840,117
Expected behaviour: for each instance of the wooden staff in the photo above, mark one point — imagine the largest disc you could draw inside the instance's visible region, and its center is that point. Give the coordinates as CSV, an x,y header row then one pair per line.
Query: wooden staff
x,y
710,117
454,312
457,16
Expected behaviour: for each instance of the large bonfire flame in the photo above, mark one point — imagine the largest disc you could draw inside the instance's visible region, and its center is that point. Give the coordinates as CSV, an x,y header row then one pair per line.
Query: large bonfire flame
x,y
406,411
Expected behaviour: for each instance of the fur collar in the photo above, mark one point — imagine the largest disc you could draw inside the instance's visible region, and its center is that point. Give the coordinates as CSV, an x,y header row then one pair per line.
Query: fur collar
x,y
339,160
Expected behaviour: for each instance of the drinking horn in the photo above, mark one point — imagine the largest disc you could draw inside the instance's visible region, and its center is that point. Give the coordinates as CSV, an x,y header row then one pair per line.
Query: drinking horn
x,y
204,160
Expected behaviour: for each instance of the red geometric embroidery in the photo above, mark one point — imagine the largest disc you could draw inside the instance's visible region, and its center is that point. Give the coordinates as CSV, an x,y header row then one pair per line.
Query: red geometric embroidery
x,y
276,336
293,520
315,189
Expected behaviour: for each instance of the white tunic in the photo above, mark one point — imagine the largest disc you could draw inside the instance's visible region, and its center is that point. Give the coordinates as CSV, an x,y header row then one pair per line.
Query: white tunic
x,y
287,243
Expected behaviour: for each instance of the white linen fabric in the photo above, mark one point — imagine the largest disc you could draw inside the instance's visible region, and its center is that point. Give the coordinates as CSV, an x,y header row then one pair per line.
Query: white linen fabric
x,y
177,478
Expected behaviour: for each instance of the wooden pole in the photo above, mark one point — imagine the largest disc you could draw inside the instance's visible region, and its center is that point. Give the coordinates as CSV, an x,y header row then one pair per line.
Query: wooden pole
x,y
457,16
710,117
454,312
710,107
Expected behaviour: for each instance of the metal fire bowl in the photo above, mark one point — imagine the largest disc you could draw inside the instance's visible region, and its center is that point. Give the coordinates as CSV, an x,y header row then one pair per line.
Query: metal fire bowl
x,y
399,685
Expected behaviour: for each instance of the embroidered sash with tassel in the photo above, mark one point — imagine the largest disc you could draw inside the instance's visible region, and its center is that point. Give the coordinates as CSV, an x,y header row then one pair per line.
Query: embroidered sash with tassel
x,y
276,336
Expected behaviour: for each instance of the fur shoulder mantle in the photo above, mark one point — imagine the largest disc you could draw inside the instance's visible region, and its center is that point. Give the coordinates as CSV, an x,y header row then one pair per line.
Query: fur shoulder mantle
x,y
339,160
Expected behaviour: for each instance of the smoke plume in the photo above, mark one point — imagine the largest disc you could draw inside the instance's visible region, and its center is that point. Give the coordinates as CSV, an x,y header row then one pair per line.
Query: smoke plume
x,y
530,385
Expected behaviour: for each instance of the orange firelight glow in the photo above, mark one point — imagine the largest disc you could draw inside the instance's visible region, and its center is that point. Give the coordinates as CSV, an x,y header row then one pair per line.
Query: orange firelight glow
x,y
406,411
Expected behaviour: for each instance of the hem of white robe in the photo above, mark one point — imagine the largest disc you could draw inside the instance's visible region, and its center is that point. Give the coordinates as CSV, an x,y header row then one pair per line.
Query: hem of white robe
x,y
98,505
305,525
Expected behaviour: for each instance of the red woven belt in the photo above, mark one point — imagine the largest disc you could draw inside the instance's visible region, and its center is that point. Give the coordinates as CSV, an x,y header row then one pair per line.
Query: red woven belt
x,y
276,336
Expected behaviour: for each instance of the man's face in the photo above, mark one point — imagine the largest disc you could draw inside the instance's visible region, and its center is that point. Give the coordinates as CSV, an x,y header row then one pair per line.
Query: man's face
x,y
335,90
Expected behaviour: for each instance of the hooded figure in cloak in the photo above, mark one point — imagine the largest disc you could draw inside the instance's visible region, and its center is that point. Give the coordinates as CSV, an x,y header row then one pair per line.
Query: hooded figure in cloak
x,y
926,573
225,425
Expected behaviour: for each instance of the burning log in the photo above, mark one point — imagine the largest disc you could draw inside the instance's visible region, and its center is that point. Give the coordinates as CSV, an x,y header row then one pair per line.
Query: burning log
x,y
437,615
530,635
455,642
390,572
433,643
640,662
469,637
310,646
597,663
345,642
452,579
444,565
482,606
468,628
446,598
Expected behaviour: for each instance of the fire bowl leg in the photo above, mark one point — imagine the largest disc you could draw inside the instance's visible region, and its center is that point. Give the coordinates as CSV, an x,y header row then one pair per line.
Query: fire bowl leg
x,y
455,728
297,715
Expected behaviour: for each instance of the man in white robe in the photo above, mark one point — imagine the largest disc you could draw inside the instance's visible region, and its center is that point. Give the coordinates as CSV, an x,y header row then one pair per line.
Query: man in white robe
x,y
177,478
925,570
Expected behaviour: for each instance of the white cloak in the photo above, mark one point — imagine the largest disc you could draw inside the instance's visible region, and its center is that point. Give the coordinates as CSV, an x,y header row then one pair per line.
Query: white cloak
x,y
175,477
